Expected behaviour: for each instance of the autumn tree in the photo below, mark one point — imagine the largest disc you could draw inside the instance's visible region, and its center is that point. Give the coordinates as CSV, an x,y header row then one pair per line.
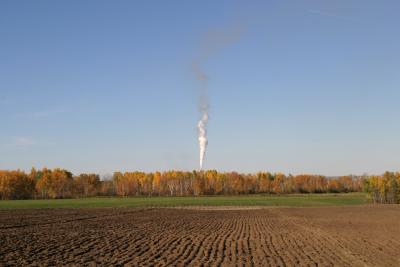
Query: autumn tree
x,y
57,183
87,184
16,185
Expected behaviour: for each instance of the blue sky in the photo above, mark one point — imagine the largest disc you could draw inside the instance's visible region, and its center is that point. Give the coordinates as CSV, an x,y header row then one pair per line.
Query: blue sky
x,y
99,86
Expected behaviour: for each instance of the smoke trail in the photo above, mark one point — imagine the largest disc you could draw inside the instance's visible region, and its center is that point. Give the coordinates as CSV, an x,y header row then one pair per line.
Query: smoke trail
x,y
213,41
201,125
203,109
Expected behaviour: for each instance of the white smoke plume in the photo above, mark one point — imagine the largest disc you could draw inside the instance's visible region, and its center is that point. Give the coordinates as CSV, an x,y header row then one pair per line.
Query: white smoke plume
x,y
214,40
202,127
204,112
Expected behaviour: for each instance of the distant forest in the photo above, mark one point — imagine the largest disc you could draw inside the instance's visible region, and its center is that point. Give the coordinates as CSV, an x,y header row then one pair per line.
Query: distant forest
x,y
60,183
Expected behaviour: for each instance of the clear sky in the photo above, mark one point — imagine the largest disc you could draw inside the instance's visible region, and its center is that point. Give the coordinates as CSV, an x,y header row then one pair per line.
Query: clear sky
x,y
99,86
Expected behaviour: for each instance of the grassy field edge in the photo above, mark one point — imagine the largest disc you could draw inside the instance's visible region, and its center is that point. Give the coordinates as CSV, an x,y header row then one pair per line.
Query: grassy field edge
x,y
292,200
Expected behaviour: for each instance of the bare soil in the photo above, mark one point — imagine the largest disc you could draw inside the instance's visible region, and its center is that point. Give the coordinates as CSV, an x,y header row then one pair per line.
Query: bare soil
x,y
329,236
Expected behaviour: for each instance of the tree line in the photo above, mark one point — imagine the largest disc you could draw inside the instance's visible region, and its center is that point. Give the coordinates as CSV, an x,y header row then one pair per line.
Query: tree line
x,y
60,183
384,188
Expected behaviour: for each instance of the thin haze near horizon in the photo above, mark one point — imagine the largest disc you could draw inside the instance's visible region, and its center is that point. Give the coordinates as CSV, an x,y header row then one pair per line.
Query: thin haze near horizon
x,y
100,86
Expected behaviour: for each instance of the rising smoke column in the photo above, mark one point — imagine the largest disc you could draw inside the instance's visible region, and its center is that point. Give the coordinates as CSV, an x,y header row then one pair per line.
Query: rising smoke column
x,y
204,112
214,41
203,142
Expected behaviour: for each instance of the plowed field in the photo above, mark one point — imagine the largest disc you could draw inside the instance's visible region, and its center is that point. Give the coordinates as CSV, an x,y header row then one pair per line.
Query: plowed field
x,y
329,236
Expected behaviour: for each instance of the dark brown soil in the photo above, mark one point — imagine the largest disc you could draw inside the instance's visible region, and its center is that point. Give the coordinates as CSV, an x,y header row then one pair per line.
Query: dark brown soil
x,y
334,236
